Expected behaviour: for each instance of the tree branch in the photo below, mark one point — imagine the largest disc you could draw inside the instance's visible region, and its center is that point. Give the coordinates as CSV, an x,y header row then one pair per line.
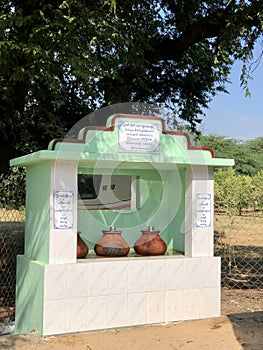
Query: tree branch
x,y
211,26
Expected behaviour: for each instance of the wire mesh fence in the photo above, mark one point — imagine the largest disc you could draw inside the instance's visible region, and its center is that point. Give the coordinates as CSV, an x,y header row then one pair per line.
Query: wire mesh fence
x,y
238,240
11,244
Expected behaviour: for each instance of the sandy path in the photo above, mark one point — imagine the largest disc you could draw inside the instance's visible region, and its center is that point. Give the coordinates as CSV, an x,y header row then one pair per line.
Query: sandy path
x,y
218,333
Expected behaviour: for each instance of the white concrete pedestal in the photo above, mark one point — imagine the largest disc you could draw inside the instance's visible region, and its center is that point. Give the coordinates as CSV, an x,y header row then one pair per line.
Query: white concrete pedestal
x,y
118,292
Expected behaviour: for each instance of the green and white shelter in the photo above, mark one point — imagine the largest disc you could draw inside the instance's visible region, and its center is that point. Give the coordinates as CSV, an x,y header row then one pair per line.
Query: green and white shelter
x,y
145,175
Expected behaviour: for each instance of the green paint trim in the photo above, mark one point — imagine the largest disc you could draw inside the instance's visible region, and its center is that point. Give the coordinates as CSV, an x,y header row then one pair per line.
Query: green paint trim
x,y
29,296
96,144
37,228
89,159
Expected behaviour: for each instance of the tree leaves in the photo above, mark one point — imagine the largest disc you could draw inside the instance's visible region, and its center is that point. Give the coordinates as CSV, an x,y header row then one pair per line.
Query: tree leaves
x,y
233,192
60,60
248,155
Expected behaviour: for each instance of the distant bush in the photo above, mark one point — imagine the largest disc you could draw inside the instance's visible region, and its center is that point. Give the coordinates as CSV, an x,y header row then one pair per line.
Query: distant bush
x,y
12,189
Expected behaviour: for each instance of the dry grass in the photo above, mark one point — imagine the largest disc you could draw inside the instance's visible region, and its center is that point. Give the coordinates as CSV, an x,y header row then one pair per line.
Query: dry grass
x,y
245,230
239,242
11,215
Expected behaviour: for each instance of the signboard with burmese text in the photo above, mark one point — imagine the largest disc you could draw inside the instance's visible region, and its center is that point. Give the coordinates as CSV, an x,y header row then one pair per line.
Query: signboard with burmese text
x,y
203,217
63,210
136,136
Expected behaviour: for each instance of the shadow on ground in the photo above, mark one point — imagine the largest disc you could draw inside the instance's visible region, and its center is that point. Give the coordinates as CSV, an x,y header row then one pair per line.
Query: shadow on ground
x,y
248,329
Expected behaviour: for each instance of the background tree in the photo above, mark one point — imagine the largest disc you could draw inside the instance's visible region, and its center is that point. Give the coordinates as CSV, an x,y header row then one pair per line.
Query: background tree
x,y
244,193
225,191
233,193
60,60
257,182
248,155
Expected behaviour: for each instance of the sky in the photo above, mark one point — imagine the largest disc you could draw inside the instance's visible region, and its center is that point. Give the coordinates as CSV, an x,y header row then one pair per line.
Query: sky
x,y
233,115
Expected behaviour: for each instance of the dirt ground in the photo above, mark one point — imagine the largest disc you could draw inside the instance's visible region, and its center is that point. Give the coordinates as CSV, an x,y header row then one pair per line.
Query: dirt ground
x,y
240,331
239,327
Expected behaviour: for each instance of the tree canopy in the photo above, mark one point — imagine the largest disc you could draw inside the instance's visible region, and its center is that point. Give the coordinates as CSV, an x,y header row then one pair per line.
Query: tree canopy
x,y
248,155
234,193
60,60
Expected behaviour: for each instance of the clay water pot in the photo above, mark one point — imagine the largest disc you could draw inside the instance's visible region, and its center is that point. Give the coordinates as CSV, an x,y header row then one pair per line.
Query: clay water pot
x,y
150,243
82,248
112,244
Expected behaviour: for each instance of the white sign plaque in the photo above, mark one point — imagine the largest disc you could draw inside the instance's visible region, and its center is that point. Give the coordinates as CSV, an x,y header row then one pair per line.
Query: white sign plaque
x,y
138,136
203,210
63,210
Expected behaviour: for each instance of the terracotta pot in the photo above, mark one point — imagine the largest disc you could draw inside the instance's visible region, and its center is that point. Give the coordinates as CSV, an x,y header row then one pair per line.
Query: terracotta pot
x,y
150,243
112,244
82,248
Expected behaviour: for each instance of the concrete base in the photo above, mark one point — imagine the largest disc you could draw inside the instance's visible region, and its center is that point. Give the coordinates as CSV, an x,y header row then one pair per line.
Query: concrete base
x,y
103,293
